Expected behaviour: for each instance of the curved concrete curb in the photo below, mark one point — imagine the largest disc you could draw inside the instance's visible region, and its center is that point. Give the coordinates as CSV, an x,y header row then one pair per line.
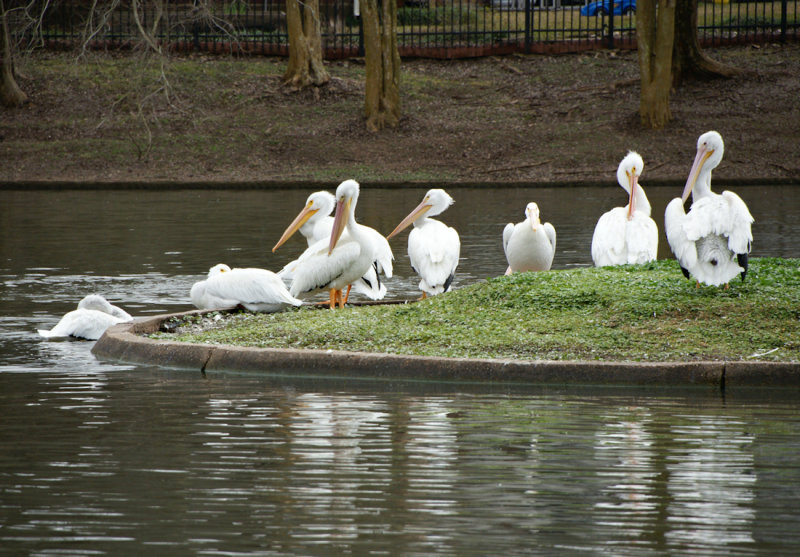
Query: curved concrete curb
x,y
125,342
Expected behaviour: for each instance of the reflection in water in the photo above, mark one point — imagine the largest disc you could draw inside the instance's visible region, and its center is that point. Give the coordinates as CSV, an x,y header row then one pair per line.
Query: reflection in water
x,y
122,461
105,458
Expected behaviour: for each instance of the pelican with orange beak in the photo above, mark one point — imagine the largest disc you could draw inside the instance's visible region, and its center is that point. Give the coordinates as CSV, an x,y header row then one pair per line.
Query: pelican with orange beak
x,y
315,223
626,235
433,247
529,245
334,263
712,241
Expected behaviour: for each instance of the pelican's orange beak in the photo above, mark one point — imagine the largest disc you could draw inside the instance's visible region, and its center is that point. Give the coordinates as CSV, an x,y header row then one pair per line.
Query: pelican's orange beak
x,y
633,181
699,160
418,211
298,221
339,222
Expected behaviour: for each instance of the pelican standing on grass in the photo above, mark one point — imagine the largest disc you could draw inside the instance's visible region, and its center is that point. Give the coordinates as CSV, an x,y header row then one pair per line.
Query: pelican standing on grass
x,y
340,261
315,223
93,316
529,245
433,247
253,289
711,241
627,235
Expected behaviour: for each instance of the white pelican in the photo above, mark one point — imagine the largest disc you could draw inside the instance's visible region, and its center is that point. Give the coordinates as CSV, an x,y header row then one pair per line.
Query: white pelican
x,y
711,241
433,247
529,245
254,289
315,224
333,264
627,235
93,316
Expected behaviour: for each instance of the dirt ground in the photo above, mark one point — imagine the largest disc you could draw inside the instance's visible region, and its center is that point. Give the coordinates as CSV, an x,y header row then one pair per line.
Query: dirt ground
x,y
536,118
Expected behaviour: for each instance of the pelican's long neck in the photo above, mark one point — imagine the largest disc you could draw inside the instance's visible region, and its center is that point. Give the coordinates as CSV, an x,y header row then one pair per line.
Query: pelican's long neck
x,y
641,204
703,186
353,227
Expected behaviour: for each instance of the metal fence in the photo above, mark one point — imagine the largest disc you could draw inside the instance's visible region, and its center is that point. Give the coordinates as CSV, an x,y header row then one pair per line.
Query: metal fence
x,y
426,28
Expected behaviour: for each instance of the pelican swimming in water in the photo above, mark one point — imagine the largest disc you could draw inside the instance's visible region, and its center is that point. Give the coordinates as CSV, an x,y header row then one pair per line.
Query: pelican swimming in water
x,y
334,263
315,224
253,289
529,245
433,247
93,316
627,235
711,241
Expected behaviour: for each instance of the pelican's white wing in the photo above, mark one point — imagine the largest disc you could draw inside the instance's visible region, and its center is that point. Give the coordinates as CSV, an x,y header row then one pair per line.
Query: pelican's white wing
x,y
722,215
608,240
383,252
619,241
508,231
202,299
315,270
82,323
675,220
641,239
255,289
434,249
550,232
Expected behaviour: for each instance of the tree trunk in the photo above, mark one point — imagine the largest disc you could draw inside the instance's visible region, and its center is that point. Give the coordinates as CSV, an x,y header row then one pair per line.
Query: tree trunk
x,y
305,65
10,93
688,60
382,61
655,25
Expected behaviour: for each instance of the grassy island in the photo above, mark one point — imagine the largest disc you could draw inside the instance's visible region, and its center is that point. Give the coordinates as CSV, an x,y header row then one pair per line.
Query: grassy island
x,y
628,313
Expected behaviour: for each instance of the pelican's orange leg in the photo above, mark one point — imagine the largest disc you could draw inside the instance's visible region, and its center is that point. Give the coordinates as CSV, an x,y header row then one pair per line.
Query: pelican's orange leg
x,y
347,296
333,292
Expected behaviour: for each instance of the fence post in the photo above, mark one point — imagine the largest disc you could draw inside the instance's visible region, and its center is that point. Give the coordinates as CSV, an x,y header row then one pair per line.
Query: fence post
x,y
784,16
611,25
528,16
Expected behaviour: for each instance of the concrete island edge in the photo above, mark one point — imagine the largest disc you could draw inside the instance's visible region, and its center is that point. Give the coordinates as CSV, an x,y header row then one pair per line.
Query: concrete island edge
x,y
127,342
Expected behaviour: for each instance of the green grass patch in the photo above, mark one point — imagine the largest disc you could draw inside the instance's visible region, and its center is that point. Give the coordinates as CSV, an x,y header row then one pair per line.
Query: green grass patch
x,y
627,313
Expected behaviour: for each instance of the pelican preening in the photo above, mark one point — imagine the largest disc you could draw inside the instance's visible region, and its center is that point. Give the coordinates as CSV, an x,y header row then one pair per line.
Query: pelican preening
x,y
341,261
315,224
433,247
711,241
254,289
529,245
93,316
626,235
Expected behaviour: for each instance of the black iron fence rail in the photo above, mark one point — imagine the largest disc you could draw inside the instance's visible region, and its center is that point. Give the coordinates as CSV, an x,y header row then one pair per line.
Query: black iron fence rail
x,y
426,28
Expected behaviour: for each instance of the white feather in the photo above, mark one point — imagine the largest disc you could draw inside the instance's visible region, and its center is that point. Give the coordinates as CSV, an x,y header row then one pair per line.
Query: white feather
x,y
708,240
254,289
529,245
93,316
618,238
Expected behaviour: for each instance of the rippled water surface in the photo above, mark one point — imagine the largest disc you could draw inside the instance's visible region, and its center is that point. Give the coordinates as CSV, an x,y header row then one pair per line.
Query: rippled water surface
x,y
102,458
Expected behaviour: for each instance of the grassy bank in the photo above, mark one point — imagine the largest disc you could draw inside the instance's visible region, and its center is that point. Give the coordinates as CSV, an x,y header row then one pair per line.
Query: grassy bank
x,y
639,313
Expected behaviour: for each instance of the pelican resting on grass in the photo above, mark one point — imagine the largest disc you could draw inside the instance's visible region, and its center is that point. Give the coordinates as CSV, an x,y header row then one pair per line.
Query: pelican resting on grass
x,y
315,224
529,245
331,265
433,247
712,241
93,316
253,289
627,235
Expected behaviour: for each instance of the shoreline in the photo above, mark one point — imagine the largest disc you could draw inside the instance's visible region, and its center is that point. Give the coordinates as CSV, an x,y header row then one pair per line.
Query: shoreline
x,y
125,342
17,185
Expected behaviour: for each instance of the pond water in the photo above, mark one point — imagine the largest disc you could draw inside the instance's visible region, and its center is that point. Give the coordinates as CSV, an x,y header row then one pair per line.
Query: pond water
x,y
101,457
